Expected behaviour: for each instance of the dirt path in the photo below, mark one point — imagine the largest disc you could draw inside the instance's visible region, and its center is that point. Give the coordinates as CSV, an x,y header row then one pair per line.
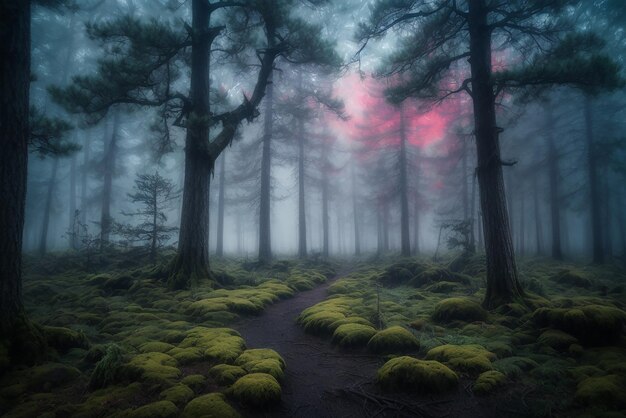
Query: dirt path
x,y
323,381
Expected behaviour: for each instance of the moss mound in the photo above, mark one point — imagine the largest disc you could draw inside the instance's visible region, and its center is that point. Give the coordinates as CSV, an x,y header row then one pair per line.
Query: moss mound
x,y
158,368
471,358
458,309
400,273
259,390
212,405
64,339
514,366
393,340
262,360
44,377
222,344
413,375
178,394
160,409
353,335
602,391
435,274
591,324
556,339
109,368
571,278
488,381
226,374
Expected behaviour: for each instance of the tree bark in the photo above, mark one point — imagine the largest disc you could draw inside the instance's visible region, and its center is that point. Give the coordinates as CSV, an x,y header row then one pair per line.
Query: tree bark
x,y
265,231
416,225
355,213
405,235
595,202
191,263
43,242
219,247
72,206
110,157
325,218
502,281
83,182
302,250
23,341
538,226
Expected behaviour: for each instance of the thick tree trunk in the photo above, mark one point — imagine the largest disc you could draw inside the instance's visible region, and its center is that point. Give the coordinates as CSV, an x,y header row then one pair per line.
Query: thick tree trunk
x,y
110,158
355,213
43,242
302,250
219,247
23,341
191,263
502,282
553,174
405,234
265,232
594,192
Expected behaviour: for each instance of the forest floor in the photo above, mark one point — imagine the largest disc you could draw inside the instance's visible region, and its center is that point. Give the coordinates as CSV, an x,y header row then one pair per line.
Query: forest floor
x,y
356,338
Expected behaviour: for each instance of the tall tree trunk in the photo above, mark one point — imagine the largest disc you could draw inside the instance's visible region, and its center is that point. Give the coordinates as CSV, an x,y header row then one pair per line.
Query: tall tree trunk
x,y
110,157
191,263
538,226
464,188
155,224
607,213
265,232
219,247
510,204
522,226
302,250
43,242
594,192
355,213
553,173
23,341
325,217
621,219
380,243
72,212
502,282
416,225
83,181
385,227
473,223
405,234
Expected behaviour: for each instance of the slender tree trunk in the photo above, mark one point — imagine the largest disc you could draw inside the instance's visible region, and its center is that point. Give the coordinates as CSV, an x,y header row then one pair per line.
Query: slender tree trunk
x,y
72,215
355,213
594,192
510,204
302,250
265,232
405,234
380,248
219,248
416,225
473,222
621,219
607,224
538,227
23,341
325,217
191,263
83,182
553,172
502,282
43,242
464,188
155,224
522,226
107,189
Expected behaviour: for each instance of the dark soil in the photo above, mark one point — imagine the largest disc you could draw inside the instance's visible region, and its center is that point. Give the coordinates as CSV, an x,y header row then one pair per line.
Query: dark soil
x,y
324,381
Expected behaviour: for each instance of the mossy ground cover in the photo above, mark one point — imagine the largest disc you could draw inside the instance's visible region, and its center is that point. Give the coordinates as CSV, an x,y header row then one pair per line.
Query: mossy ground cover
x,y
122,344
563,347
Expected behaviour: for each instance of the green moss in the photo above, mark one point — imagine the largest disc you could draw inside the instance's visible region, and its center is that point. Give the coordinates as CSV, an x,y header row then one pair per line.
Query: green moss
x,y
178,394
556,339
571,278
155,347
212,405
514,366
442,287
259,390
262,360
187,355
221,344
458,309
436,274
160,409
158,368
393,340
107,370
583,372
591,324
353,335
45,377
226,374
64,339
350,320
470,358
488,381
194,381
413,375
605,391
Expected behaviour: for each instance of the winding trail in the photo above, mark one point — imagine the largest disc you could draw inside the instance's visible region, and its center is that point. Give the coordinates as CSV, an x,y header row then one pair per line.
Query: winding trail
x,y
324,381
